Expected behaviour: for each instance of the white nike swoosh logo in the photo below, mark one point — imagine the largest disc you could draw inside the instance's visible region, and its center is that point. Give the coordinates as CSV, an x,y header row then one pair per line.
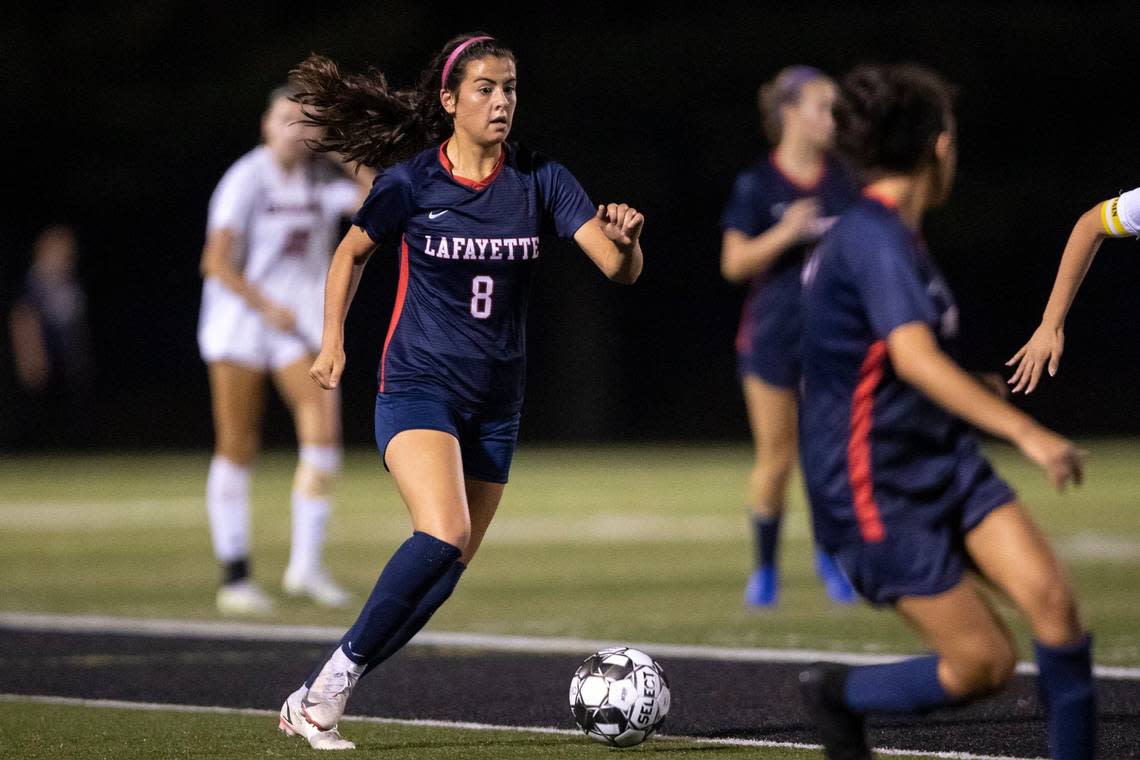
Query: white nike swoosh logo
x,y
434,214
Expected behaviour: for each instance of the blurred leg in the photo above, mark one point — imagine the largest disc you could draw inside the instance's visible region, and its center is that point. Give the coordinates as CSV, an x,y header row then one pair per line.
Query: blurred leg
x,y
237,399
316,417
1012,552
772,418
974,647
973,655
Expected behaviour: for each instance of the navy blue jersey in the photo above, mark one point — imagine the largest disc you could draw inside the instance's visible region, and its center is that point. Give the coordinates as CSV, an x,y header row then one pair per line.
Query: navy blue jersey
x,y
468,252
758,200
872,447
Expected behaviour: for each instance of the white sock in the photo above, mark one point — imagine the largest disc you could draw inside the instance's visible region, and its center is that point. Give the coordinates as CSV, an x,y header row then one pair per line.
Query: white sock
x,y
227,503
312,496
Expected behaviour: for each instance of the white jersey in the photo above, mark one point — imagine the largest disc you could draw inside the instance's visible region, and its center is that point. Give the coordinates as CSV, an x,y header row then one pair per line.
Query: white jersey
x,y
1120,216
284,225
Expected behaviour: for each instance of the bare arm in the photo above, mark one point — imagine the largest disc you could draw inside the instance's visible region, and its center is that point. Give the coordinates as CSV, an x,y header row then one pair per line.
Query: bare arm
x,y
612,240
1045,346
742,257
918,360
217,261
340,288
28,351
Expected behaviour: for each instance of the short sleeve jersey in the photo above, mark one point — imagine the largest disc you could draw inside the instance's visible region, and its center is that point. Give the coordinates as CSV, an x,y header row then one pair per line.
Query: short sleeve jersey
x,y
760,196
1120,216
468,256
285,222
871,444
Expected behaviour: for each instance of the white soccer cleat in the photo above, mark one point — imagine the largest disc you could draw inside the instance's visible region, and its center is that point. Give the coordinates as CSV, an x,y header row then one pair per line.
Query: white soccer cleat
x,y
324,705
318,585
244,598
293,722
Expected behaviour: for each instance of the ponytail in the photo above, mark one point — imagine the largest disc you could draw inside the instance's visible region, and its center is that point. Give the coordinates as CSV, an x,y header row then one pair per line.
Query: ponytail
x,y
367,121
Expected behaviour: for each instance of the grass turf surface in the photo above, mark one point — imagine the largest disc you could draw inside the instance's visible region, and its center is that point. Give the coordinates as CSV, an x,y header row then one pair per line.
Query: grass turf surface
x,y
620,543
51,731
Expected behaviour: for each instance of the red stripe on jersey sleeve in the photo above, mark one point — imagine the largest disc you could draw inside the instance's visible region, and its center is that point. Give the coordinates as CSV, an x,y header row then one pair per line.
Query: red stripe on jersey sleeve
x,y
859,444
397,309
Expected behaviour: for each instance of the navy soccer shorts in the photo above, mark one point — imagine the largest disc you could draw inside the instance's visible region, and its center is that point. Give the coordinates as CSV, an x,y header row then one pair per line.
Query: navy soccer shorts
x,y
924,553
486,443
768,345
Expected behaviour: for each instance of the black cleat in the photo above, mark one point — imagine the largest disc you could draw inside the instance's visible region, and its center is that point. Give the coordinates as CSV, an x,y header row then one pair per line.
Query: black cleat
x,y
842,732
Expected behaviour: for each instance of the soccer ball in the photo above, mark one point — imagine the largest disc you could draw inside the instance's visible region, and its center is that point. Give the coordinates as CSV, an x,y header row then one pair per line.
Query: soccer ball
x,y
619,696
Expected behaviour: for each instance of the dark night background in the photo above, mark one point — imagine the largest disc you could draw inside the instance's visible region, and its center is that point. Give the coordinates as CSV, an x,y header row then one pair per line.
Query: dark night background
x,y
120,120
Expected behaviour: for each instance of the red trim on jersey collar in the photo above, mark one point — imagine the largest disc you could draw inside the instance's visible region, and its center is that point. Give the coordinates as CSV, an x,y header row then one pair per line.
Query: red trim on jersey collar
x,y
805,187
473,184
881,198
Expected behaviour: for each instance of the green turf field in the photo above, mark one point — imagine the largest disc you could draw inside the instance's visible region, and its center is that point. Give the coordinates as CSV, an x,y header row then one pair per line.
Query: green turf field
x,y
51,731
622,543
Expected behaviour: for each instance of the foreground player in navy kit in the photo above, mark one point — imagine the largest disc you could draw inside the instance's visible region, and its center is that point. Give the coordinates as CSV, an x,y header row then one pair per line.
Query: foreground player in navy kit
x,y
900,492
777,210
469,212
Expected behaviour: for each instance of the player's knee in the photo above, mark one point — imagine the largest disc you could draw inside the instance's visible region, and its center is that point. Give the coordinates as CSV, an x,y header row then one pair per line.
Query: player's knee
x,y
454,529
239,448
984,668
317,471
1053,610
772,471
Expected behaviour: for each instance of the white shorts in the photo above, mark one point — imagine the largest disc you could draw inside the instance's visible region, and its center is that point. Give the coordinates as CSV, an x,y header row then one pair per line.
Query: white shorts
x,y
230,330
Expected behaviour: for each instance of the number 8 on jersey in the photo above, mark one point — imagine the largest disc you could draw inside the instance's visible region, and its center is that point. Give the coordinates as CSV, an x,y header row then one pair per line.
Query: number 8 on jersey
x,y
481,289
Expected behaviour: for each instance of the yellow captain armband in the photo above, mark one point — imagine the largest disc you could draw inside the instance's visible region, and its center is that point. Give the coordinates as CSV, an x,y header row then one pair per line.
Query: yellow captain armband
x,y
1110,218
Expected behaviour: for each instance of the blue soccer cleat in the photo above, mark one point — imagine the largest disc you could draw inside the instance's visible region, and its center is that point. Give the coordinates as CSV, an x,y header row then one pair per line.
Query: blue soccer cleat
x,y
838,588
763,587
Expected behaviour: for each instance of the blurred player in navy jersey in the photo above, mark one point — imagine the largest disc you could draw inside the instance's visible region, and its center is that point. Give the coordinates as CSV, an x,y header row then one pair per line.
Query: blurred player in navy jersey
x,y
272,224
469,213
1115,217
777,211
900,493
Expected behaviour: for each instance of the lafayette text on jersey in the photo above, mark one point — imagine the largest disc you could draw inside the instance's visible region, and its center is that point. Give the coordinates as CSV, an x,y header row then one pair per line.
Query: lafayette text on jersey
x,y
468,252
873,446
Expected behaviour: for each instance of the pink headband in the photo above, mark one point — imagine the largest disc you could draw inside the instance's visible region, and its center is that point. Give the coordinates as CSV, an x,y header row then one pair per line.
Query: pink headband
x,y
454,55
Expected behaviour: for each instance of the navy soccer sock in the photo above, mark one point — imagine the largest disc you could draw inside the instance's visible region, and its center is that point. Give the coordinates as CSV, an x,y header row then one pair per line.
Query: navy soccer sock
x,y
431,602
910,686
766,536
1068,694
410,574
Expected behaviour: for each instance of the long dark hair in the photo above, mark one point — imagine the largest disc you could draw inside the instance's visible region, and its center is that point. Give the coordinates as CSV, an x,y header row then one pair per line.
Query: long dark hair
x,y
888,117
366,120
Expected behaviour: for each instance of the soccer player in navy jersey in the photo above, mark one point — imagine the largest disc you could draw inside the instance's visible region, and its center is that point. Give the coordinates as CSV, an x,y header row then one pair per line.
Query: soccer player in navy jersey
x,y
900,493
778,209
469,212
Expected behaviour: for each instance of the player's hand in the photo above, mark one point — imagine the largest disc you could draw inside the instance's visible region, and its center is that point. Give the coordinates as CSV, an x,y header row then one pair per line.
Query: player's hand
x,y
1061,460
279,317
1043,351
328,367
621,223
800,218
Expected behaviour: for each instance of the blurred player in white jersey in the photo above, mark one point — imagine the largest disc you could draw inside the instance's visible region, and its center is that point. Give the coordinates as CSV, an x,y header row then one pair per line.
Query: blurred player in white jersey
x,y
273,222
1116,217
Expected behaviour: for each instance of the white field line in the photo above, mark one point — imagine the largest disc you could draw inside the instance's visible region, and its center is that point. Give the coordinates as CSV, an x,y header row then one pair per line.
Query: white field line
x,y
219,629
603,527
116,704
